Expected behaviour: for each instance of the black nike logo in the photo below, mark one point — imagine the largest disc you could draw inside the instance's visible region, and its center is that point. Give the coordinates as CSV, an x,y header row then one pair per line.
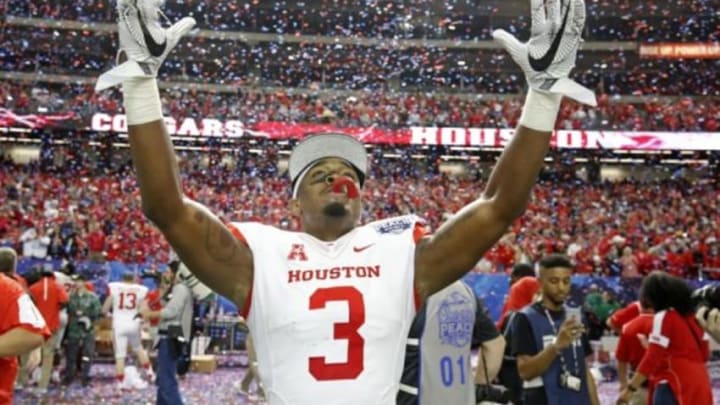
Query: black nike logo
x,y
153,47
540,65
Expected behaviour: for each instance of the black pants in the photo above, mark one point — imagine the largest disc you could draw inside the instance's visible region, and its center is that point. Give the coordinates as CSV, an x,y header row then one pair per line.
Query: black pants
x,y
74,347
663,395
183,357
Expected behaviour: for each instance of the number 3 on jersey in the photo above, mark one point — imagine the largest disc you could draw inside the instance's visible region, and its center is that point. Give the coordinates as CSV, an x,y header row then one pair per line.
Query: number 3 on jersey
x,y
350,369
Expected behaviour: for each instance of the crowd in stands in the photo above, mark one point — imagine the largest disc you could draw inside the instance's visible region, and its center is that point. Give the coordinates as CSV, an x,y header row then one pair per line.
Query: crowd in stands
x,y
627,20
388,110
90,209
67,209
228,62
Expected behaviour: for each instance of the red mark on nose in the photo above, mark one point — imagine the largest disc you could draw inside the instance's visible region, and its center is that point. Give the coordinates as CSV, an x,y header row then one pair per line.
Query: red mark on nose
x,y
344,184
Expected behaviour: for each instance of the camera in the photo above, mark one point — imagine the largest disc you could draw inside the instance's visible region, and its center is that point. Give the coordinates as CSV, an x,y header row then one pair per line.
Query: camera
x,y
492,393
708,296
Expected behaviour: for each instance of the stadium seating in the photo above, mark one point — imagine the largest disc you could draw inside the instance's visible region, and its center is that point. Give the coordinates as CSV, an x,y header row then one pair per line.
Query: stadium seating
x,y
671,224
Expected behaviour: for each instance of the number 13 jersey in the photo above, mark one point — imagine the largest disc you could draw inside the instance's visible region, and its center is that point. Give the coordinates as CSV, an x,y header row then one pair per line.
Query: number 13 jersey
x,y
329,320
126,300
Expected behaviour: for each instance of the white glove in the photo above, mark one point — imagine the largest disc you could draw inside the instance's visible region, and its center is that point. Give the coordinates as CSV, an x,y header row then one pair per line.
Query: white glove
x,y
144,43
712,323
549,56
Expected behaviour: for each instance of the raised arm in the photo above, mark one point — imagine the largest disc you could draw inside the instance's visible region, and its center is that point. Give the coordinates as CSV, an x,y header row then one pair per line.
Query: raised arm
x,y
201,240
462,241
203,243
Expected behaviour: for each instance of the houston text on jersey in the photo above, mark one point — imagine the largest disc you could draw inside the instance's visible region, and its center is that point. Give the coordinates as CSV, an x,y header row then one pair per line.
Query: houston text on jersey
x,y
333,273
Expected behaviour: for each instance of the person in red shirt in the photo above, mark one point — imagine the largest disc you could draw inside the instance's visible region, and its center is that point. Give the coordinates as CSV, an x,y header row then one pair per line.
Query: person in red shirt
x,y
711,258
8,266
50,297
675,360
523,287
630,351
96,243
622,316
22,329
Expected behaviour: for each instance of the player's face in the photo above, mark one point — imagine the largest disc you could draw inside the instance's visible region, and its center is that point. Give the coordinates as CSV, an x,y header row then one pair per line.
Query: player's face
x,y
556,283
317,202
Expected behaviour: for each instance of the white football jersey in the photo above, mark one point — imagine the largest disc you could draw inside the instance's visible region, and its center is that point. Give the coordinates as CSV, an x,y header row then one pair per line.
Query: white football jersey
x,y
330,319
126,300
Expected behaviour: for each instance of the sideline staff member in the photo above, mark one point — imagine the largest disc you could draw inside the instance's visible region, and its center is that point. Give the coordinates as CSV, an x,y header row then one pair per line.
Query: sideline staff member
x,y
175,322
551,347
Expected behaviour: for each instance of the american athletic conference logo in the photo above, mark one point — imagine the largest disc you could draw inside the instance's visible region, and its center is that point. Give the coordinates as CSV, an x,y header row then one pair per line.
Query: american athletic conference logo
x,y
456,317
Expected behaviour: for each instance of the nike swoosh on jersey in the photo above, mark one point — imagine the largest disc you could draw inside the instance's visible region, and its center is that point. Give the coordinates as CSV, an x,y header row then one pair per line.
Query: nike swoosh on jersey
x,y
543,63
360,249
153,47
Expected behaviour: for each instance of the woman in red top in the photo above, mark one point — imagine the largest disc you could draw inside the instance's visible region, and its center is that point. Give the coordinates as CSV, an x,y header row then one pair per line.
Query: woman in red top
x,y
677,351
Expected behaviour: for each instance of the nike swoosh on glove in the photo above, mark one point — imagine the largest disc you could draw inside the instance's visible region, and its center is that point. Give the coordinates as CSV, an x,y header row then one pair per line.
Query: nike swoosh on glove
x,y
144,43
550,54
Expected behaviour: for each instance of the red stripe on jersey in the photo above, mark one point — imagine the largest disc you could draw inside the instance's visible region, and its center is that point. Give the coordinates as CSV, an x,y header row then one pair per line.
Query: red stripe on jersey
x,y
245,311
44,332
416,298
237,234
420,231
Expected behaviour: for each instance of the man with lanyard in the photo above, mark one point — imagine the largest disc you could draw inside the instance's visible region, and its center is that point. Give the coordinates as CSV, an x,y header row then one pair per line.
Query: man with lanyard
x,y
551,345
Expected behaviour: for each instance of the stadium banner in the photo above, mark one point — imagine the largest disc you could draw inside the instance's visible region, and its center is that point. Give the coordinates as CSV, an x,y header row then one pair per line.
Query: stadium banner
x,y
446,136
681,50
